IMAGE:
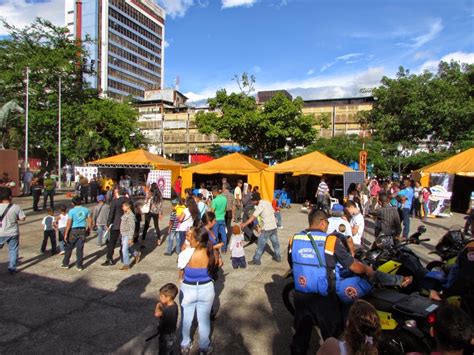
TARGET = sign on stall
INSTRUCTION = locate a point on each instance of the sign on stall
(163, 179)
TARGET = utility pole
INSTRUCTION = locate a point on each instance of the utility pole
(59, 133)
(26, 115)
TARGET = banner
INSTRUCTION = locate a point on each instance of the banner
(163, 179)
(441, 186)
(86, 171)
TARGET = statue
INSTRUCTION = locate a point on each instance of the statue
(5, 116)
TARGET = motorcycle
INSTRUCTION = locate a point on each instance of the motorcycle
(448, 248)
(390, 256)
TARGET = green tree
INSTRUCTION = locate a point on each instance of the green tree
(262, 130)
(50, 55)
(413, 107)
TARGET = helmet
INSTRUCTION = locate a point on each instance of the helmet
(451, 242)
(384, 241)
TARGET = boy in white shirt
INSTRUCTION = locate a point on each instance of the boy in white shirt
(357, 223)
(237, 248)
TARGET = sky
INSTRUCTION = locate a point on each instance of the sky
(313, 48)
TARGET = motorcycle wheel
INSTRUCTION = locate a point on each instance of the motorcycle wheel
(288, 294)
(398, 342)
(435, 266)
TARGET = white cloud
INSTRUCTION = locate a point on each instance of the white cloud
(461, 57)
(316, 87)
(256, 69)
(326, 67)
(310, 72)
(226, 4)
(21, 13)
(349, 56)
(435, 28)
(177, 8)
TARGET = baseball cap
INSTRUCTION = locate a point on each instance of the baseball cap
(101, 198)
(337, 208)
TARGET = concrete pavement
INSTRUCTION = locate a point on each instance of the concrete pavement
(46, 309)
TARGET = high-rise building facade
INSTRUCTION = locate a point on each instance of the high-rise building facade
(125, 43)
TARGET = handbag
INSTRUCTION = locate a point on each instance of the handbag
(146, 207)
(4, 214)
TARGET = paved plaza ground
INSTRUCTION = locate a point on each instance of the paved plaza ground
(46, 309)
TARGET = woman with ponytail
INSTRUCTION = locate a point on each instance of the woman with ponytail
(361, 333)
(197, 265)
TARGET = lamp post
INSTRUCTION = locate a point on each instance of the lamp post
(400, 150)
(287, 148)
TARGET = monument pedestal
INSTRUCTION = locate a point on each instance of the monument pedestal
(9, 164)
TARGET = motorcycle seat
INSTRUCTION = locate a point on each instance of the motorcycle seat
(384, 299)
(416, 306)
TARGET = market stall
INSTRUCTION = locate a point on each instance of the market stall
(143, 167)
(230, 166)
(451, 181)
(301, 175)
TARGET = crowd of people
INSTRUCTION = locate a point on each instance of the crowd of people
(203, 226)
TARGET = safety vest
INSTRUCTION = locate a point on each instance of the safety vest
(310, 272)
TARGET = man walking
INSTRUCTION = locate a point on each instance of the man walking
(10, 214)
(322, 195)
(78, 226)
(49, 189)
(406, 199)
(94, 188)
(229, 210)
(219, 204)
(387, 219)
(238, 202)
(264, 210)
(115, 215)
(27, 179)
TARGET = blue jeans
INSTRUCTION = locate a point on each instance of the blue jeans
(197, 299)
(61, 232)
(181, 239)
(172, 239)
(278, 218)
(127, 250)
(220, 228)
(406, 222)
(262, 242)
(13, 243)
(100, 234)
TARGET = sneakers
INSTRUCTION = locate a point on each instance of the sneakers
(107, 263)
(168, 254)
(280, 228)
(125, 268)
(253, 262)
(277, 259)
(79, 268)
(64, 266)
(12, 271)
(185, 350)
(205, 352)
(61, 252)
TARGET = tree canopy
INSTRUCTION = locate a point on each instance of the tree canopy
(412, 108)
(91, 127)
(262, 130)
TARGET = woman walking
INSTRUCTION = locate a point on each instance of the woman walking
(152, 209)
(197, 265)
(190, 217)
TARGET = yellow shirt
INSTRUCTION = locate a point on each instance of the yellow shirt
(179, 209)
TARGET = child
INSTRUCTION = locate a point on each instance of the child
(167, 313)
(237, 248)
(172, 229)
(127, 227)
(276, 210)
(48, 224)
(60, 224)
(99, 217)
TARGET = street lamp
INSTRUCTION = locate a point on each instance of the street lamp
(287, 148)
(400, 150)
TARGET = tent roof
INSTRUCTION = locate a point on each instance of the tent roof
(314, 163)
(460, 164)
(137, 158)
(233, 164)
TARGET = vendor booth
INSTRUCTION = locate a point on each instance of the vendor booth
(452, 178)
(300, 176)
(143, 168)
(233, 166)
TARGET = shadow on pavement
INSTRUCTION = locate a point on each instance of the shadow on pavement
(44, 315)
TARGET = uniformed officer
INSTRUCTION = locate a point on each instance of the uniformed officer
(315, 259)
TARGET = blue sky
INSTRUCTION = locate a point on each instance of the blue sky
(314, 48)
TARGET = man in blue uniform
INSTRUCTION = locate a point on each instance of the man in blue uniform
(315, 259)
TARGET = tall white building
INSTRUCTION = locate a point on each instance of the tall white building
(126, 53)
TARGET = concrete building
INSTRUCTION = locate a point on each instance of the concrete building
(170, 128)
(169, 123)
(126, 52)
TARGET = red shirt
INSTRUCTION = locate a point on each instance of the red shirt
(177, 186)
(275, 205)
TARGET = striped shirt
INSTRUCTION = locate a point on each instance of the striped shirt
(323, 188)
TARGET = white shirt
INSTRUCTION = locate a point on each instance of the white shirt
(264, 209)
(358, 220)
(335, 223)
(237, 245)
(62, 221)
(238, 193)
(187, 222)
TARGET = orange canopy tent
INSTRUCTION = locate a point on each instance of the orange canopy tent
(139, 159)
(314, 163)
(233, 164)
